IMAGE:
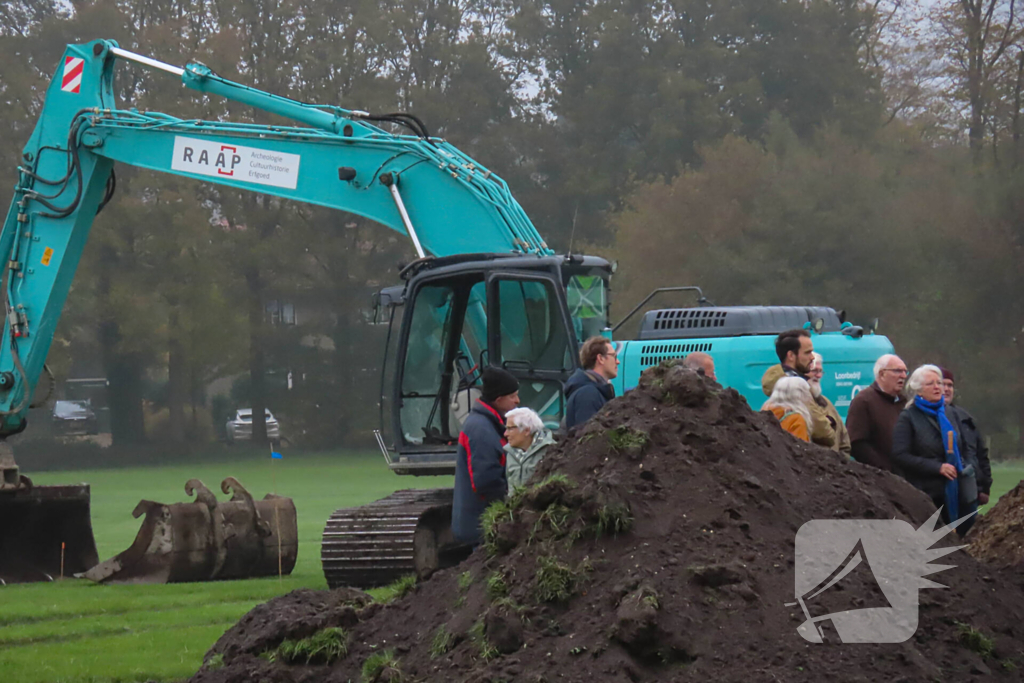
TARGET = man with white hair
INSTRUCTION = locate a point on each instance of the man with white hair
(874, 411)
(814, 375)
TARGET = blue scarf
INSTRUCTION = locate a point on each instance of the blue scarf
(949, 435)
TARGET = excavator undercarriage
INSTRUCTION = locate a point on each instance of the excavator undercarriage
(409, 532)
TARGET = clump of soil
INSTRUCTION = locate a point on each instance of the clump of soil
(657, 543)
(998, 537)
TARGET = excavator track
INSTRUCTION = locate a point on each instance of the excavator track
(409, 532)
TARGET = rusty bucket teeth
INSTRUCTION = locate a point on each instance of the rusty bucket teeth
(206, 540)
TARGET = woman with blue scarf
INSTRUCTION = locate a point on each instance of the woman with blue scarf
(929, 449)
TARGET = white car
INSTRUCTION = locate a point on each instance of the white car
(239, 428)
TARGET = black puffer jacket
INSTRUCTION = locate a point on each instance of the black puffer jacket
(973, 436)
(918, 449)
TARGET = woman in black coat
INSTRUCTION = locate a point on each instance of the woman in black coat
(929, 448)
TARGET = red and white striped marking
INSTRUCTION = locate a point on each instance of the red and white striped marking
(73, 67)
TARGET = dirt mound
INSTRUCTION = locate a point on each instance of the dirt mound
(657, 543)
(998, 537)
(294, 616)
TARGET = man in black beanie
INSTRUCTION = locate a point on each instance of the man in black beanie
(480, 464)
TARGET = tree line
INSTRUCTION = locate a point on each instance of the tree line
(864, 155)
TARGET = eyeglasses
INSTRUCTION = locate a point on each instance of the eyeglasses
(509, 428)
(896, 371)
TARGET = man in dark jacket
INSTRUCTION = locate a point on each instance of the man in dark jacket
(589, 387)
(873, 412)
(480, 463)
(972, 435)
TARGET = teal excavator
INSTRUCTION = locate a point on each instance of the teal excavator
(485, 290)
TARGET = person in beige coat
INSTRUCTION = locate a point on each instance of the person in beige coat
(814, 375)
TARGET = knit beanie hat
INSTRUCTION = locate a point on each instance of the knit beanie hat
(947, 374)
(498, 382)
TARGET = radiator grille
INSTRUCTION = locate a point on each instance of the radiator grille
(689, 318)
(652, 354)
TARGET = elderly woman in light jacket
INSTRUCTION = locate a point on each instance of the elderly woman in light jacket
(528, 438)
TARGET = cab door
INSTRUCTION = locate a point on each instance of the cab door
(529, 334)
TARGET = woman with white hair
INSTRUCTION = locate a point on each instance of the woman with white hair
(929, 448)
(789, 403)
(528, 438)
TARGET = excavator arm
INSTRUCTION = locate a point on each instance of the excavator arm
(417, 185)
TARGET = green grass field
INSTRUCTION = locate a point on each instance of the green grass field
(75, 631)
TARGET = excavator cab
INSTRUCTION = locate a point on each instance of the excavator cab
(526, 314)
(456, 315)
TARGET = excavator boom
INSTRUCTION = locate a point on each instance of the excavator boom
(418, 185)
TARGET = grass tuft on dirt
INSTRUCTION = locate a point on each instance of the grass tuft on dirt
(496, 514)
(485, 650)
(399, 588)
(614, 519)
(974, 640)
(442, 643)
(555, 580)
(382, 667)
(497, 586)
(323, 647)
(625, 439)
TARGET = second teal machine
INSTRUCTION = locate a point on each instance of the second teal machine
(741, 340)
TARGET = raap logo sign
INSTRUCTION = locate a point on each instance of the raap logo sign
(238, 162)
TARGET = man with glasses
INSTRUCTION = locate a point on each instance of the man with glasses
(814, 375)
(874, 411)
(589, 388)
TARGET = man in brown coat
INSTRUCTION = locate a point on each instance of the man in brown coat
(873, 413)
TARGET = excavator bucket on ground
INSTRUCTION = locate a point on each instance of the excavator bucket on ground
(45, 531)
(207, 540)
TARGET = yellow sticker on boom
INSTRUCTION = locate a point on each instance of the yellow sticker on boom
(47, 255)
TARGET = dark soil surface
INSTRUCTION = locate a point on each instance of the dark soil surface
(998, 537)
(665, 554)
